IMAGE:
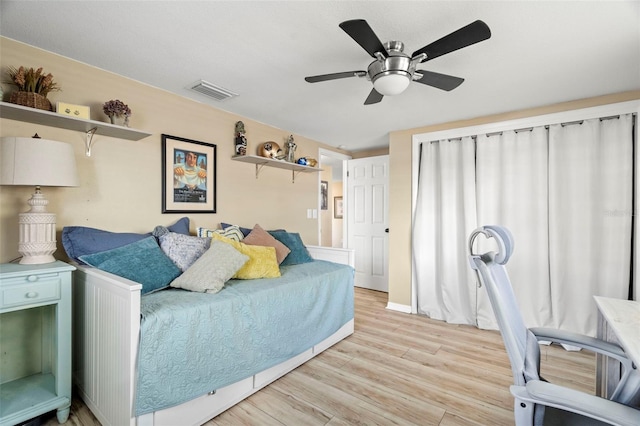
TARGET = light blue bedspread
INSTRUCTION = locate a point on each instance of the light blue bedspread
(192, 343)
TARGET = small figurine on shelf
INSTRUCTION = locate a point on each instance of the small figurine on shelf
(291, 149)
(240, 140)
(270, 150)
(307, 161)
(118, 112)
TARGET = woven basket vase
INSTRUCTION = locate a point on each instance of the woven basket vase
(30, 99)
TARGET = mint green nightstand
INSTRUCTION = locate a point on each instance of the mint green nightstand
(35, 341)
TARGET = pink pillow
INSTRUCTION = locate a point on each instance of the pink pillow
(260, 237)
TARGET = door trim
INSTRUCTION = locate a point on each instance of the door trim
(339, 156)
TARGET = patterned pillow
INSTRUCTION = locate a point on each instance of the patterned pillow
(183, 249)
(142, 261)
(245, 231)
(260, 237)
(262, 260)
(214, 268)
(232, 232)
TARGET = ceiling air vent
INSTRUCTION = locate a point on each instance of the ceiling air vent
(213, 91)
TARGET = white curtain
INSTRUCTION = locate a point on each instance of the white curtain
(512, 188)
(565, 192)
(445, 215)
(590, 193)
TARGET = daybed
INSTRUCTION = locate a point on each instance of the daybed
(182, 357)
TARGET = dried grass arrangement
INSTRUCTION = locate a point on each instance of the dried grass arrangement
(33, 87)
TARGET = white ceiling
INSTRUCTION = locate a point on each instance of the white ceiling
(539, 53)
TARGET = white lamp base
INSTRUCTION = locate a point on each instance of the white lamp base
(37, 232)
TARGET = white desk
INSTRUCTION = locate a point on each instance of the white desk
(618, 321)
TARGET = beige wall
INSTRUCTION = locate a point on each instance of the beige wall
(400, 148)
(120, 184)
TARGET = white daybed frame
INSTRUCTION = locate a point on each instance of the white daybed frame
(106, 321)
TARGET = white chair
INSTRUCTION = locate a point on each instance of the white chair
(538, 402)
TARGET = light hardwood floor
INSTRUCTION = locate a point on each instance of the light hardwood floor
(396, 369)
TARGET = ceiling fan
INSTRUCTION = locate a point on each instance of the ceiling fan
(393, 70)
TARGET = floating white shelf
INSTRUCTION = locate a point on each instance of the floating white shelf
(260, 162)
(90, 127)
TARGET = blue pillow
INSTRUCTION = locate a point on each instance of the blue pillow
(80, 240)
(142, 261)
(299, 253)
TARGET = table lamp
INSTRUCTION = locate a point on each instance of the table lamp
(37, 162)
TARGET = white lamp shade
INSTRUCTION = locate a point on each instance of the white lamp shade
(391, 84)
(37, 162)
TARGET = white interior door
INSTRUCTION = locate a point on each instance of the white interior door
(367, 214)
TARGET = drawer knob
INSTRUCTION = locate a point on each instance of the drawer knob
(32, 294)
(32, 278)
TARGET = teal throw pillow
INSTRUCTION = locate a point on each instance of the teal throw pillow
(299, 253)
(142, 261)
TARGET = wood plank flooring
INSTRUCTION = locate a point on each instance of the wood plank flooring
(396, 369)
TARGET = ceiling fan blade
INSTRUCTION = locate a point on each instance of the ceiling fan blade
(334, 76)
(439, 81)
(473, 33)
(361, 32)
(373, 98)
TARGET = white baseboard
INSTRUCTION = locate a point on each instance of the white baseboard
(398, 307)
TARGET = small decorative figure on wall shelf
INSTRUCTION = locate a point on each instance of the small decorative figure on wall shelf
(291, 146)
(307, 161)
(240, 139)
(270, 150)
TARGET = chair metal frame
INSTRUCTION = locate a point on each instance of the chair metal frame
(536, 400)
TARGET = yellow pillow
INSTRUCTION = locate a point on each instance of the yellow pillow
(262, 261)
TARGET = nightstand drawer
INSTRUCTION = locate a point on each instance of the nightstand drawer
(30, 289)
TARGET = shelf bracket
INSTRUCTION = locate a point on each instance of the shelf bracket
(258, 169)
(293, 175)
(89, 141)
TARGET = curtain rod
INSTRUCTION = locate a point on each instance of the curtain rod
(528, 129)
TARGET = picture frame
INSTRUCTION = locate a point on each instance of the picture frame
(188, 175)
(324, 195)
(338, 207)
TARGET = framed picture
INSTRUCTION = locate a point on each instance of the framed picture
(188, 176)
(324, 195)
(337, 208)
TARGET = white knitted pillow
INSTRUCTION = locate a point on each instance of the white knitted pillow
(183, 250)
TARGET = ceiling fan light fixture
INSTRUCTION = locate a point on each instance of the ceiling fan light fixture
(392, 82)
